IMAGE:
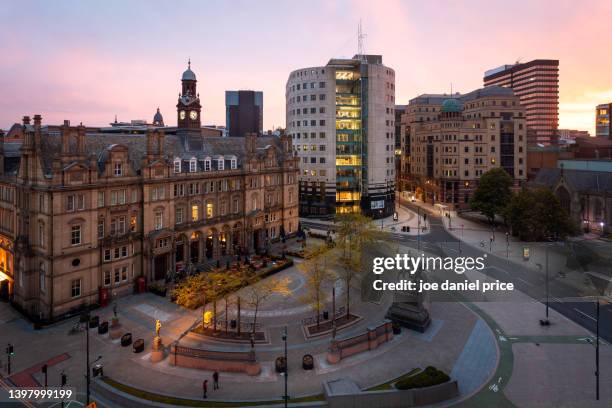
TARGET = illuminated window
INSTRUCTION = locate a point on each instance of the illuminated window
(194, 212)
(209, 210)
(133, 223)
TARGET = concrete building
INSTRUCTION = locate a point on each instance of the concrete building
(243, 112)
(84, 214)
(399, 111)
(602, 120)
(536, 83)
(455, 139)
(341, 119)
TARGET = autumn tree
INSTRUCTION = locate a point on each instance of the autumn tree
(316, 269)
(257, 293)
(354, 231)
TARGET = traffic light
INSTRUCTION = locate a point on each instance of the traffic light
(9, 350)
(44, 369)
(64, 379)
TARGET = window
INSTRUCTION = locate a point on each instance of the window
(124, 270)
(117, 197)
(107, 278)
(117, 253)
(101, 228)
(322, 122)
(107, 255)
(233, 164)
(75, 288)
(117, 275)
(118, 169)
(209, 210)
(180, 216)
(193, 164)
(220, 164)
(321, 148)
(122, 225)
(81, 201)
(70, 203)
(322, 135)
(124, 251)
(207, 164)
(322, 97)
(235, 205)
(159, 220)
(194, 212)
(100, 199)
(75, 235)
(134, 193)
(42, 277)
(41, 234)
(177, 165)
(133, 223)
(223, 207)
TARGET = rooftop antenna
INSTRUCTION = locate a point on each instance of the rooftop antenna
(189, 63)
(360, 37)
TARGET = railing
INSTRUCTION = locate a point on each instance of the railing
(215, 355)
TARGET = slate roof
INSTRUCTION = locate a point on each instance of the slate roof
(97, 146)
(577, 180)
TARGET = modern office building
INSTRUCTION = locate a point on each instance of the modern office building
(341, 119)
(536, 83)
(455, 139)
(85, 215)
(602, 120)
(243, 112)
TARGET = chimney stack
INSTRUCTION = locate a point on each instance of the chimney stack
(26, 120)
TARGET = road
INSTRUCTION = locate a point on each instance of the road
(563, 298)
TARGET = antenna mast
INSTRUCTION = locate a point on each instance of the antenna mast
(360, 37)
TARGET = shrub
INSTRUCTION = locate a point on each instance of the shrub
(426, 378)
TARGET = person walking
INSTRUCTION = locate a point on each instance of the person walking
(216, 380)
(204, 388)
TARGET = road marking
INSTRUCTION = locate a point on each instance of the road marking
(556, 299)
(585, 314)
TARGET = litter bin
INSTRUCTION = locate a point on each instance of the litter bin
(138, 346)
(126, 339)
(103, 327)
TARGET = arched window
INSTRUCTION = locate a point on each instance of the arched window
(177, 165)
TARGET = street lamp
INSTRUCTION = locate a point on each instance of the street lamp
(600, 292)
(286, 396)
(507, 244)
(545, 322)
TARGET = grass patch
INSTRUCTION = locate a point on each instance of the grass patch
(389, 384)
(184, 402)
(427, 378)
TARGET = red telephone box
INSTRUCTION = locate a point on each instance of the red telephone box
(141, 285)
(103, 292)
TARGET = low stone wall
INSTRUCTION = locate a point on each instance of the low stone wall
(240, 362)
(393, 398)
(369, 340)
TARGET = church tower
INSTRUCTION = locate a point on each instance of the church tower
(188, 106)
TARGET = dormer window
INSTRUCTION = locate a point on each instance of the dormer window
(193, 164)
(177, 165)
(233, 163)
(220, 164)
(207, 164)
(118, 169)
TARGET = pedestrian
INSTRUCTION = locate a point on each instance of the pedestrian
(216, 380)
(204, 388)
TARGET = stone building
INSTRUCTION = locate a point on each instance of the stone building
(84, 214)
(452, 140)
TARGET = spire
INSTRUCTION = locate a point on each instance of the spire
(189, 63)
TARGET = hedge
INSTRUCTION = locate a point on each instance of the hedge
(428, 377)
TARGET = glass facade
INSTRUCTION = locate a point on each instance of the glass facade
(348, 141)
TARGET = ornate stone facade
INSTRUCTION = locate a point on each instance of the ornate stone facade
(84, 214)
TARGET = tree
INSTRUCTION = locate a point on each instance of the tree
(259, 292)
(354, 231)
(537, 214)
(316, 269)
(492, 194)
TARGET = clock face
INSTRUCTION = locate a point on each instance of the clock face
(182, 115)
(193, 115)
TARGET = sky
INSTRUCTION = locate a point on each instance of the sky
(89, 61)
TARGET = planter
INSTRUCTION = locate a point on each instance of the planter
(126, 339)
(280, 365)
(103, 328)
(138, 346)
(307, 362)
(397, 329)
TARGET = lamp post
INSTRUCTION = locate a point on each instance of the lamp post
(545, 322)
(507, 244)
(418, 227)
(286, 396)
(600, 292)
(86, 315)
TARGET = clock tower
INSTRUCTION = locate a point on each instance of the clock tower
(188, 106)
